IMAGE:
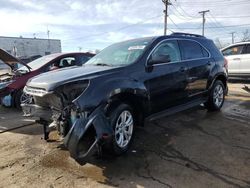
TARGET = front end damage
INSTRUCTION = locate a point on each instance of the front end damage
(83, 132)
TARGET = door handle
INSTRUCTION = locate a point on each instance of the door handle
(183, 69)
(236, 59)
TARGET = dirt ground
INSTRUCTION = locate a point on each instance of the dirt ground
(194, 148)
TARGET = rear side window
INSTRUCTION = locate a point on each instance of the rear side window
(192, 50)
(234, 50)
(247, 51)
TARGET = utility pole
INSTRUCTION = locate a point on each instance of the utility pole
(203, 20)
(48, 32)
(166, 3)
(232, 33)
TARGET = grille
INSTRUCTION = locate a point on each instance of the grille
(35, 91)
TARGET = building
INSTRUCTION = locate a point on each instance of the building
(27, 47)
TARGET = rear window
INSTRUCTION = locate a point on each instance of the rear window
(192, 50)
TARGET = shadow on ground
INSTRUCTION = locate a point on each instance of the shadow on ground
(190, 148)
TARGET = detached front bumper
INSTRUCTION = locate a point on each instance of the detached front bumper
(75, 137)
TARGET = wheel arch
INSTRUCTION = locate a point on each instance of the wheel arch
(138, 103)
(222, 77)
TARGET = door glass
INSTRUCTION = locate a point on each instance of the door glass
(192, 50)
(247, 51)
(234, 50)
(67, 61)
(169, 48)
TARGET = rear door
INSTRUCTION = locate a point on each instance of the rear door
(245, 60)
(233, 55)
(199, 63)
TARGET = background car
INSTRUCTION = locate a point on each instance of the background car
(238, 57)
(4, 69)
(11, 90)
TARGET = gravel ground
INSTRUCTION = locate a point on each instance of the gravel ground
(193, 148)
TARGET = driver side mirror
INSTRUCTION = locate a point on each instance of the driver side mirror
(159, 59)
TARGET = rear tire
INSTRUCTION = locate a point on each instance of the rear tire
(123, 123)
(216, 96)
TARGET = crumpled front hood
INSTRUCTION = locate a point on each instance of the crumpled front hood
(53, 79)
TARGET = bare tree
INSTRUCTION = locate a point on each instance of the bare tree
(245, 35)
(218, 43)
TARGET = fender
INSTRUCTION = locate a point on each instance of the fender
(107, 88)
(101, 124)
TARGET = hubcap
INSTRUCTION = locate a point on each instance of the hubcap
(26, 99)
(124, 129)
(218, 95)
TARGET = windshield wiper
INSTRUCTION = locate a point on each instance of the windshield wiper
(102, 64)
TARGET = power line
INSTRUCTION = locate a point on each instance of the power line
(226, 26)
(119, 29)
(214, 3)
(185, 12)
(173, 22)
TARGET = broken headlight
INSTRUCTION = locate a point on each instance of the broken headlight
(73, 90)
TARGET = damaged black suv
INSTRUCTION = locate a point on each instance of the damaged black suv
(99, 104)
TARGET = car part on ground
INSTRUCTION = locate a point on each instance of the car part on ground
(12, 84)
(99, 105)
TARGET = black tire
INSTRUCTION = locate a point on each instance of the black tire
(215, 103)
(17, 99)
(114, 118)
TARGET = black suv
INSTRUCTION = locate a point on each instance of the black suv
(99, 104)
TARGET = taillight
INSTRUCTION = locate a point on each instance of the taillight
(225, 63)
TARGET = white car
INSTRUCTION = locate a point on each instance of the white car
(238, 57)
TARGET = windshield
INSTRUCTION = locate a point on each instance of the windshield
(38, 63)
(120, 54)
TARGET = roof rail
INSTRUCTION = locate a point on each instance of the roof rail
(188, 35)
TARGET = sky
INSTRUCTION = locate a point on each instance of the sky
(88, 25)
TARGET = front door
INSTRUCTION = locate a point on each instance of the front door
(245, 61)
(233, 55)
(167, 81)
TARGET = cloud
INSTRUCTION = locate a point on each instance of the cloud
(95, 24)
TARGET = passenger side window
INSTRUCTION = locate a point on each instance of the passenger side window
(192, 50)
(67, 62)
(170, 49)
(234, 50)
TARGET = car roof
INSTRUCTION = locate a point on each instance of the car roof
(236, 44)
(55, 55)
(173, 35)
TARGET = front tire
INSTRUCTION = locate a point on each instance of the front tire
(216, 96)
(123, 123)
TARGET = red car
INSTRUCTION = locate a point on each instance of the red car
(12, 83)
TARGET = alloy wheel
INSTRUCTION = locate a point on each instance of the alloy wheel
(218, 95)
(124, 129)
